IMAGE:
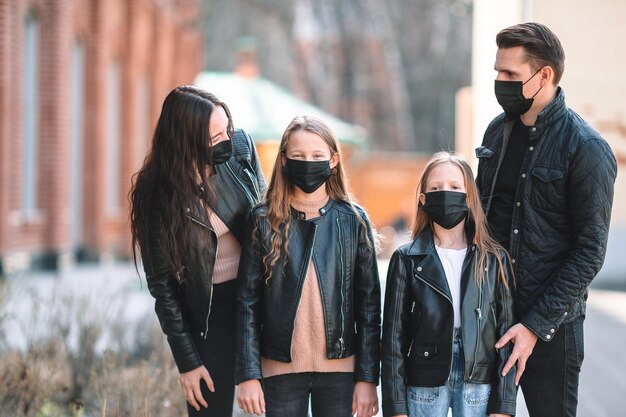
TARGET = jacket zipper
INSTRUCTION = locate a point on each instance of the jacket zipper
(479, 317)
(413, 339)
(300, 297)
(341, 341)
(447, 298)
(245, 189)
(206, 320)
(254, 183)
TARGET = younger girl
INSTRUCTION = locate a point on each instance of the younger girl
(447, 302)
(308, 299)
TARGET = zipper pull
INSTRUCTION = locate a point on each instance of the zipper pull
(341, 343)
(355, 331)
(480, 314)
(412, 306)
(410, 347)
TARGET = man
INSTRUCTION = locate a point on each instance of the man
(546, 180)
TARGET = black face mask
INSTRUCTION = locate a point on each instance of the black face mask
(446, 208)
(511, 97)
(307, 175)
(221, 152)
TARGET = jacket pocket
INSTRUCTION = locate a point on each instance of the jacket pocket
(548, 191)
(425, 352)
(484, 152)
(545, 174)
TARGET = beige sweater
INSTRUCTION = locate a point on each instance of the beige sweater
(308, 351)
(228, 251)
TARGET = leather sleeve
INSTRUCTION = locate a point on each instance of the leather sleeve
(164, 288)
(395, 332)
(590, 183)
(256, 165)
(367, 308)
(249, 306)
(502, 399)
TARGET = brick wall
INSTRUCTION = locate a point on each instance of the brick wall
(157, 44)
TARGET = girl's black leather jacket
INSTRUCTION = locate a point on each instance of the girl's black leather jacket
(418, 325)
(345, 262)
(183, 308)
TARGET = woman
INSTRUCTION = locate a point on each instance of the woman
(308, 310)
(190, 204)
(447, 302)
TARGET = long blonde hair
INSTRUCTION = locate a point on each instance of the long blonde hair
(279, 191)
(482, 238)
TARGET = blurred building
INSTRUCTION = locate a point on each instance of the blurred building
(384, 182)
(81, 85)
(592, 35)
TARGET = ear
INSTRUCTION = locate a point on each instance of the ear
(334, 160)
(547, 75)
(422, 199)
(283, 159)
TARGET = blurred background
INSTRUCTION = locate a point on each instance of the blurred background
(81, 87)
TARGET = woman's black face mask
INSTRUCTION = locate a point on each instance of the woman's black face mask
(220, 153)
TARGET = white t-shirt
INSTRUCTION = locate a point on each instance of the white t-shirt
(452, 261)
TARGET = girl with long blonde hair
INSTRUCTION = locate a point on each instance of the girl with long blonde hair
(447, 302)
(308, 309)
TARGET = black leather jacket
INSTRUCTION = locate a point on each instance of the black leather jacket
(418, 326)
(183, 309)
(560, 222)
(348, 279)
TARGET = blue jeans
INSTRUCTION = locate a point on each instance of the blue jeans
(466, 399)
(550, 381)
(330, 394)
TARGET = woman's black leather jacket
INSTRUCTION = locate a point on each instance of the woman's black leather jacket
(341, 248)
(183, 308)
(418, 326)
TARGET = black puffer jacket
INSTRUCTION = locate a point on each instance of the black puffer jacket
(183, 309)
(348, 279)
(561, 215)
(418, 326)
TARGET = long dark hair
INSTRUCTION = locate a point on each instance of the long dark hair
(168, 182)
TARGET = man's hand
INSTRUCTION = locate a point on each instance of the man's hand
(190, 383)
(250, 397)
(524, 341)
(364, 400)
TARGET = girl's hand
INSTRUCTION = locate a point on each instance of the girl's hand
(190, 383)
(250, 397)
(364, 400)
(499, 415)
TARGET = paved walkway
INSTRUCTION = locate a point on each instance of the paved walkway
(603, 378)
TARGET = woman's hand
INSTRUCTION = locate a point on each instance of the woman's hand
(190, 382)
(499, 415)
(364, 400)
(250, 397)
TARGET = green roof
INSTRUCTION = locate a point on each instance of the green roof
(264, 109)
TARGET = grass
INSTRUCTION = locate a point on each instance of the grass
(82, 357)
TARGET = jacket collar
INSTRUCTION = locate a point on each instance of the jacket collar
(429, 267)
(554, 110)
(424, 243)
(323, 211)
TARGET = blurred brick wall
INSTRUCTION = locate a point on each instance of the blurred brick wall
(157, 40)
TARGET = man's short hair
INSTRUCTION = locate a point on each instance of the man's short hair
(542, 46)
